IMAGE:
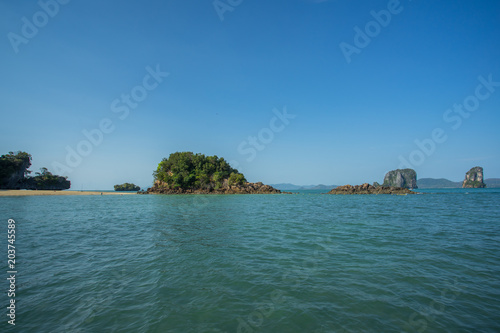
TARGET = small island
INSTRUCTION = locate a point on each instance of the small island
(474, 178)
(14, 175)
(127, 187)
(398, 181)
(189, 173)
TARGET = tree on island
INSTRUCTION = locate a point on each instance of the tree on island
(14, 174)
(127, 187)
(45, 180)
(186, 170)
(189, 173)
(14, 169)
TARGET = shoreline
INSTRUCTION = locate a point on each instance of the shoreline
(25, 193)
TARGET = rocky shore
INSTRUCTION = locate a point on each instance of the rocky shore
(246, 188)
(370, 189)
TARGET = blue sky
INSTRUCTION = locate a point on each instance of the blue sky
(351, 117)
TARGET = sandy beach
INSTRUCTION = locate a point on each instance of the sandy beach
(5, 193)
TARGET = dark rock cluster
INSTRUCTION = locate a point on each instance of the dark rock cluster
(370, 189)
(246, 188)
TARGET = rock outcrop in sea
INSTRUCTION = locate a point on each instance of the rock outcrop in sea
(474, 178)
(370, 189)
(160, 187)
(406, 178)
(190, 173)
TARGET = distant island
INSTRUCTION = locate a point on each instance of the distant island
(127, 187)
(398, 181)
(474, 178)
(404, 178)
(14, 174)
(422, 183)
(189, 173)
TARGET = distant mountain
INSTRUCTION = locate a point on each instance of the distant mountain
(421, 183)
(492, 182)
(293, 187)
(445, 183)
(285, 186)
(437, 183)
(318, 187)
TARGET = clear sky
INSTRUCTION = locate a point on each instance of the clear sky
(295, 91)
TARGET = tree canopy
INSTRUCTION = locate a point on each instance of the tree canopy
(45, 180)
(187, 170)
(13, 168)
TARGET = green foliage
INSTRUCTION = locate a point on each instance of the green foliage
(127, 187)
(14, 165)
(196, 171)
(236, 179)
(45, 180)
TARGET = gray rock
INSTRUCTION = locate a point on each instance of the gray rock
(474, 178)
(405, 178)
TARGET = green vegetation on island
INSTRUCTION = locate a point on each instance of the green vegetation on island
(186, 172)
(127, 187)
(45, 180)
(14, 169)
(14, 174)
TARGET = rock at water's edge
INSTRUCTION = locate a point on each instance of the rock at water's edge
(246, 188)
(370, 189)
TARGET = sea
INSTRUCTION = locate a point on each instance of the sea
(308, 262)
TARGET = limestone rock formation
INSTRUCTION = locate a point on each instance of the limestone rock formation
(474, 178)
(370, 189)
(406, 178)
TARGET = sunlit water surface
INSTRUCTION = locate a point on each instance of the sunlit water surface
(256, 263)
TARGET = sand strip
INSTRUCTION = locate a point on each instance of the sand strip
(16, 193)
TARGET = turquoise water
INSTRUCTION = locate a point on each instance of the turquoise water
(255, 263)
